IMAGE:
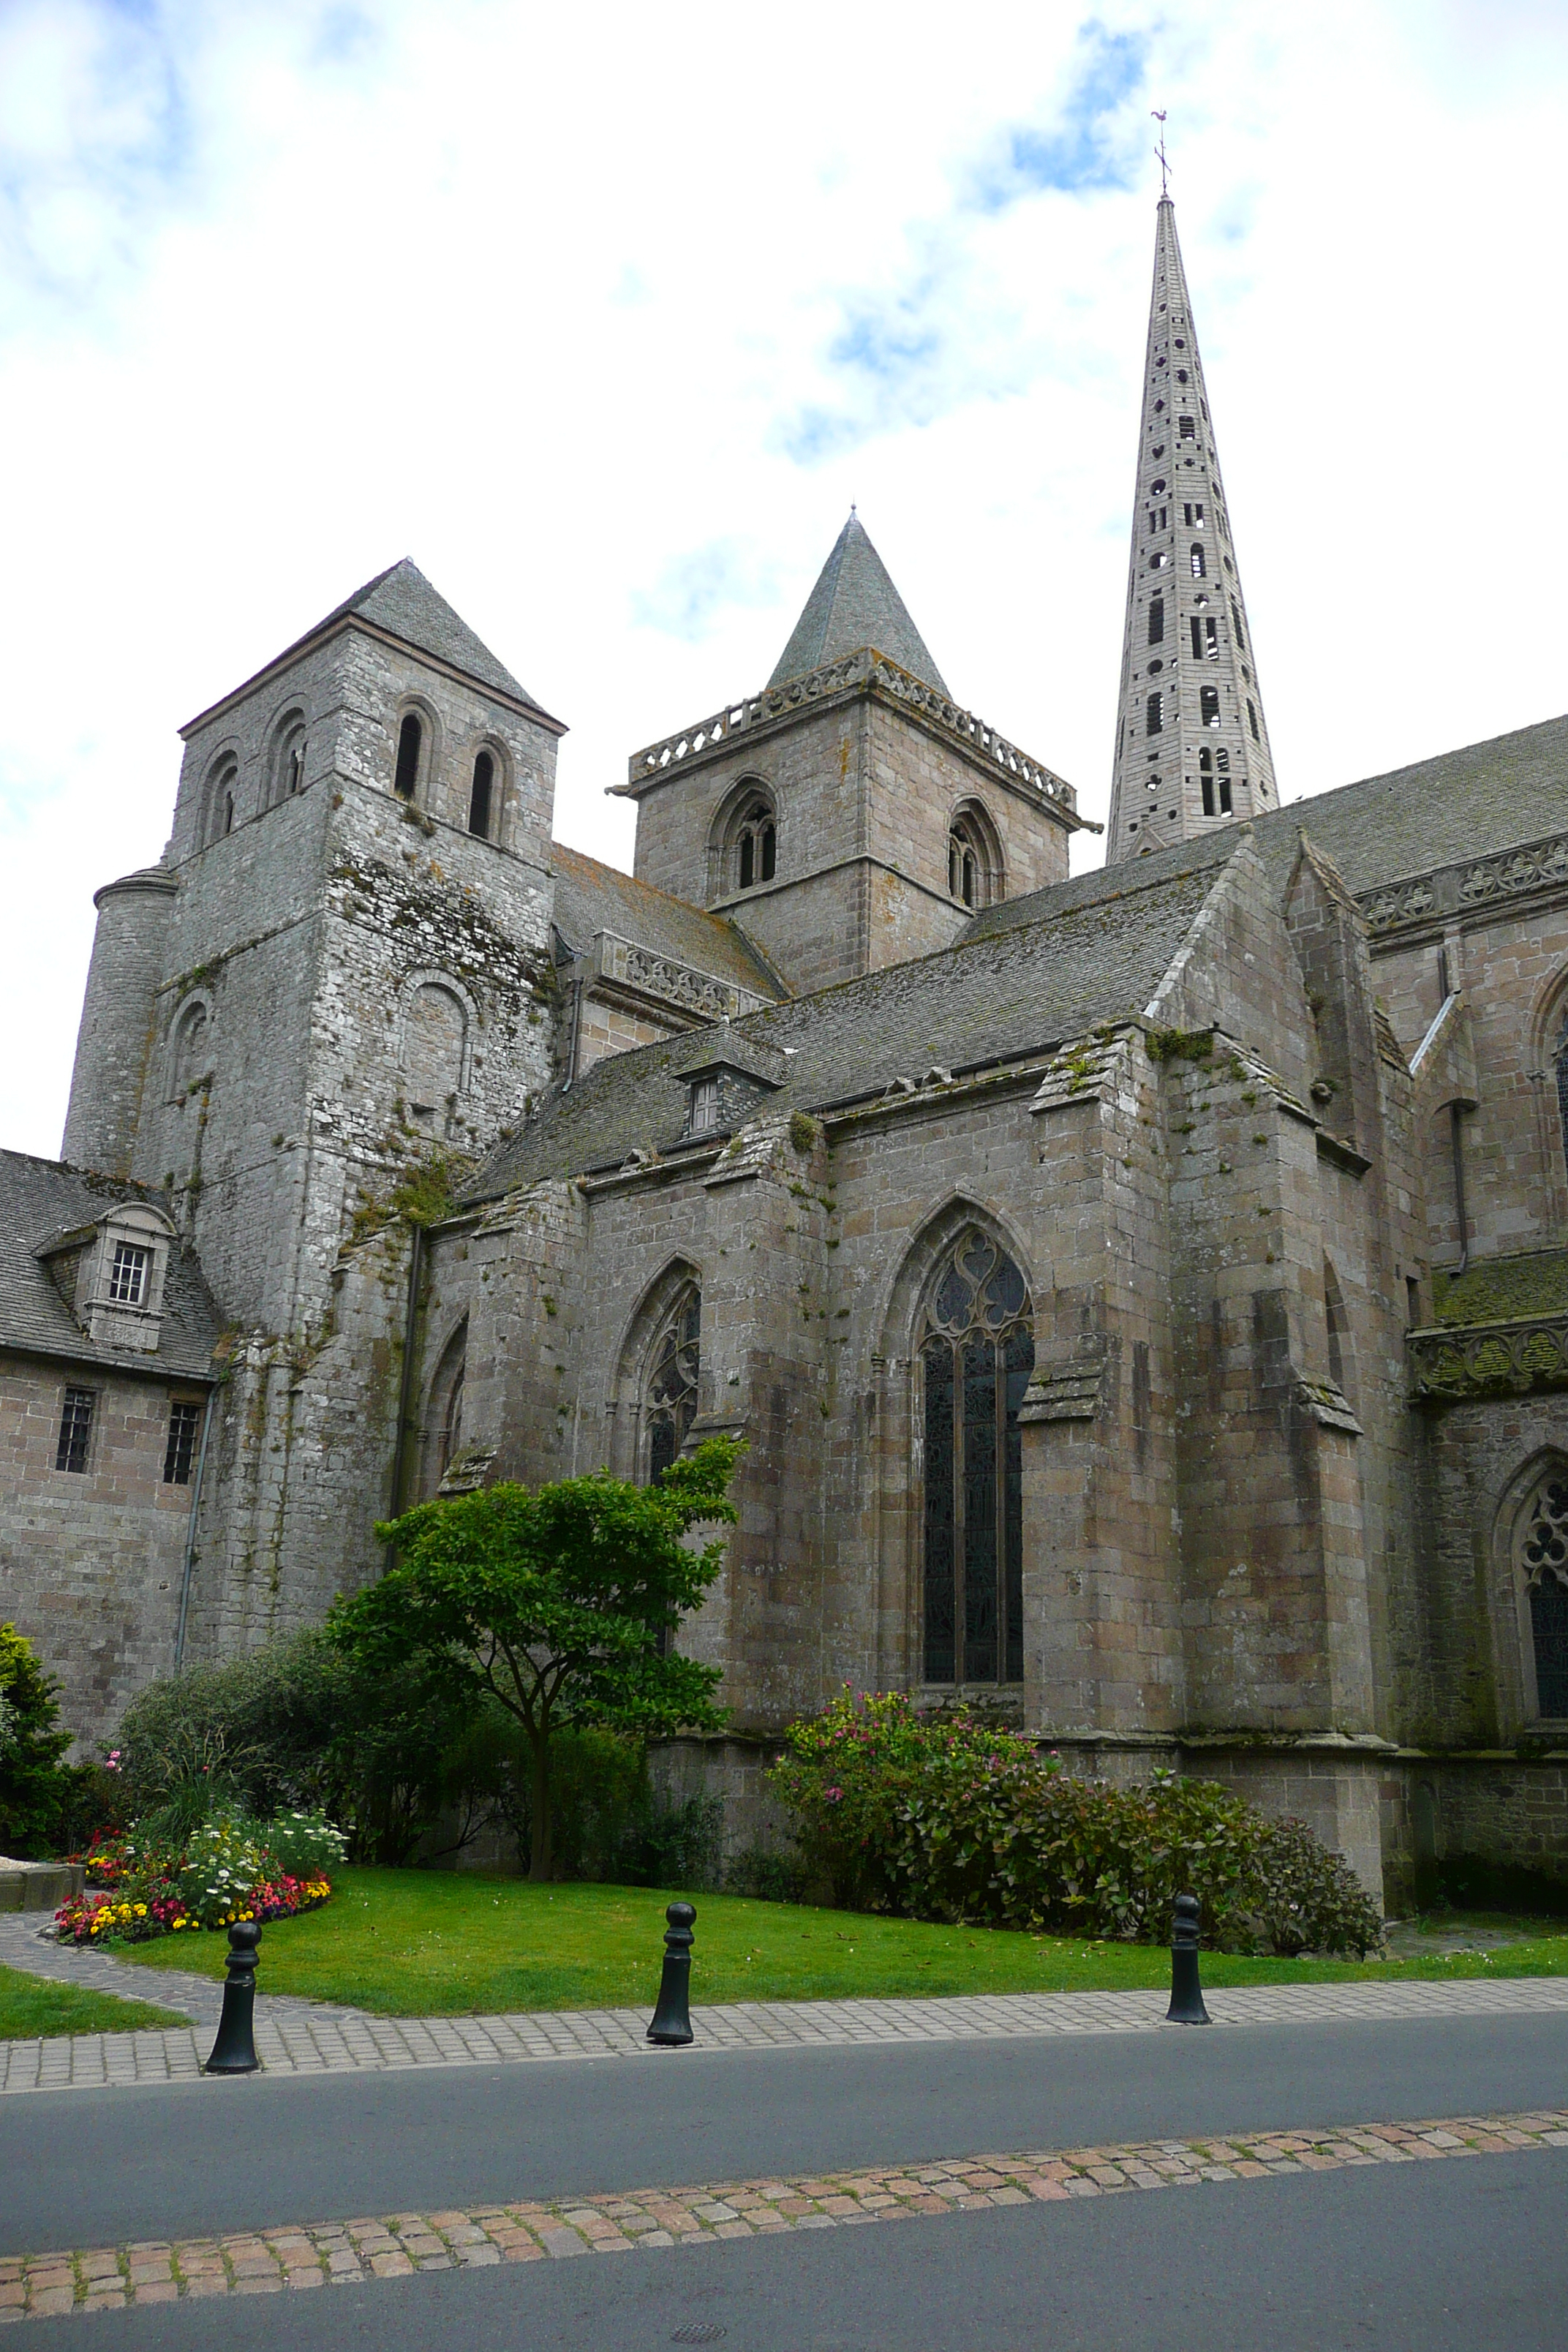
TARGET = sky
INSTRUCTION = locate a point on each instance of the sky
(605, 317)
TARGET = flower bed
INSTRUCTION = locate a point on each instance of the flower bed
(225, 1870)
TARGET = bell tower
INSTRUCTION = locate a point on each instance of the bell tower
(1192, 742)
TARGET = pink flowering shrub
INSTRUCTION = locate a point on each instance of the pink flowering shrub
(945, 1817)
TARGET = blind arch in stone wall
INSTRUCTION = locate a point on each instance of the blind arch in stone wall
(437, 1018)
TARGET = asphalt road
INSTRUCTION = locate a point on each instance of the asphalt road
(91, 2167)
(1466, 2256)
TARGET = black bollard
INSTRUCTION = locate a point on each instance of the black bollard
(1186, 1992)
(233, 2052)
(672, 2018)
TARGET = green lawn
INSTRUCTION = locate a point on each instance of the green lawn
(412, 1943)
(30, 2006)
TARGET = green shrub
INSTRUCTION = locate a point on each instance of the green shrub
(951, 1819)
(35, 1787)
(294, 1727)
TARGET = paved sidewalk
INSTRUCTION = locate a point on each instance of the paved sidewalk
(348, 2253)
(300, 2037)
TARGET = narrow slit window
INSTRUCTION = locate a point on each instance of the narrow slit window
(1189, 429)
(185, 1428)
(1155, 715)
(1252, 722)
(1208, 706)
(1222, 773)
(1205, 777)
(1156, 620)
(479, 797)
(769, 847)
(1198, 561)
(410, 737)
(1236, 625)
(75, 1430)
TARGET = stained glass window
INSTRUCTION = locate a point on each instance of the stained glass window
(1544, 1551)
(672, 1381)
(977, 1351)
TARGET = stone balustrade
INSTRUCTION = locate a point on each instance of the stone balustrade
(1481, 1359)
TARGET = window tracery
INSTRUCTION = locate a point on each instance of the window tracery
(974, 861)
(756, 844)
(673, 1369)
(976, 1353)
(1543, 1559)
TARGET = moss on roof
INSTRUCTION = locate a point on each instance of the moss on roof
(1534, 1282)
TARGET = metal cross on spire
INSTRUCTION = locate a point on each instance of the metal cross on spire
(1159, 114)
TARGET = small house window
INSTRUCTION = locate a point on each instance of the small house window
(128, 1275)
(1200, 566)
(185, 1428)
(480, 796)
(1154, 714)
(704, 1106)
(1156, 620)
(1208, 706)
(410, 739)
(75, 1430)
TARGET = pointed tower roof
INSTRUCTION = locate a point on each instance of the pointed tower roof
(401, 601)
(1191, 743)
(855, 604)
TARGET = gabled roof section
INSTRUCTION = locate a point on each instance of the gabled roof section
(591, 898)
(855, 604)
(401, 602)
(992, 999)
(45, 1206)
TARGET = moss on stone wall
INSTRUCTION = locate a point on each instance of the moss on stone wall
(1535, 1283)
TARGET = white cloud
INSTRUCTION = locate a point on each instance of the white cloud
(543, 298)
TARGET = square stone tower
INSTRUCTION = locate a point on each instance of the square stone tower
(852, 814)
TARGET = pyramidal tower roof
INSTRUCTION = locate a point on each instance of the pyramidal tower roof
(855, 604)
(1191, 743)
(401, 601)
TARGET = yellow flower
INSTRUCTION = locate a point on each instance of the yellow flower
(141, 1910)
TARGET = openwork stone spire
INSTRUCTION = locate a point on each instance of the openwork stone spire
(1192, 742)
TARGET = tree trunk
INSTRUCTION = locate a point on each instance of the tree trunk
(540, 1856)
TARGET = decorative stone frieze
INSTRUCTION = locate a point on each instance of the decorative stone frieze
(1456, 890)
(867, 671)
(623, 963)
(1479, 1359)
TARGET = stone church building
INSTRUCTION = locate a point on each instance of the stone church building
(1144, 1295)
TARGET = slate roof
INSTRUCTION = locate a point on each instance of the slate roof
(41, 1199)
(994, 997)
(1473, 802)
(591, 898)
(401, 601)
(855, 604)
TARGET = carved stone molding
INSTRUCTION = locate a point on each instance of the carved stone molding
(1481, 1360)
(623, 963)
(1457, 889)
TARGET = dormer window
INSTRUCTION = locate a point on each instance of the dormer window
(704, 1107)
(128, 1275)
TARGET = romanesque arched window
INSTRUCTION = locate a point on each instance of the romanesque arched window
(217, 802)
(410, 745)
(976, 1352)
(1543, 1562)
(481, 794)
(287, 765)
(671, 1399)
(188, 1056)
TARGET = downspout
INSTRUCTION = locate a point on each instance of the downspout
(406, 1383)
(190, 1534)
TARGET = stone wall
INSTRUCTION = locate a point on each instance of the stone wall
(91, 1561)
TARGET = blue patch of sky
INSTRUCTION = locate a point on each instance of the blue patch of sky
(694, 590)
(900, 353)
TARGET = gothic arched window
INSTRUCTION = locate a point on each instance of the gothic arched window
(1544, 1558)
(1559, 1060)
(756, 844)
(672, 1381)
(976, 1351)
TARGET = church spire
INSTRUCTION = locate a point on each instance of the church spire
(1191, 743)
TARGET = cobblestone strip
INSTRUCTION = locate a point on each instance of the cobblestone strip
(342, 2254)
(299, 2037)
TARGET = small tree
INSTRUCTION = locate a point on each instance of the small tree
(33, 1787)
(559, 1604)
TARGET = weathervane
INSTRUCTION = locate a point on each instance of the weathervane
(1159, 114)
